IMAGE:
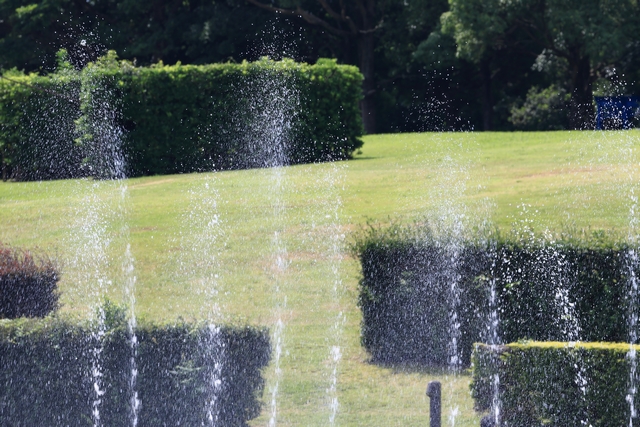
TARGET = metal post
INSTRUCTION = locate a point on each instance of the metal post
(433, 391)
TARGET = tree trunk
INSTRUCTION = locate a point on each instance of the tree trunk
(366, 53)
(581, 113)
(487, 98)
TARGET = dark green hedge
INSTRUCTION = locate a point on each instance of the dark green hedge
(37, 127)
(407, 303)
(185, 118)
(180, 118)
(46, 373)
(554, 383)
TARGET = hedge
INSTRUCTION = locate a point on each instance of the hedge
(49, 368)
(406, 302)
(560, 290)
(555, 383)
(37, 126)
(115, 119)
(28, 284)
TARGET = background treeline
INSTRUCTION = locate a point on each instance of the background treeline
(427, 64)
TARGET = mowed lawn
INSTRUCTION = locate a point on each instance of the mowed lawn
(270, 247)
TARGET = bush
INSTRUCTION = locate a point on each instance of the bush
(405, 298)
(37, 126)
(28, 284)
(175, 119)
(415, 286)
(555, 383)
(544, 109)
(186, 373)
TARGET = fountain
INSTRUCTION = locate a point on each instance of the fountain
(302, 221)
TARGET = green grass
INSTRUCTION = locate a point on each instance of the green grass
(584, 180)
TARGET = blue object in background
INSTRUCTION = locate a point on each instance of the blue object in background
(616, 111)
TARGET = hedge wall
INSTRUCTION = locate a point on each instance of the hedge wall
(406, 303)
(37, 126)
(555, 384)
(562, 290)
(46, 373)
(113, 118)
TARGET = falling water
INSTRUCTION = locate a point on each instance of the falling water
(568, 324)
(200, 264)
(101, 143)
(632, 257)
(130, 297)
(280, 266)
(493, 338)
(329, 243)
(91, 242)
(450, 221)
(266, 137)
(552, 267)
(213, 346)
(633, 263)
(619, 147)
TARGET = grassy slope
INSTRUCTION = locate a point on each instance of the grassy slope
(261, 245)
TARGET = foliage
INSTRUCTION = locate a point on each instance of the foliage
(37, 126)
(99, 135)
(47, 373)
(555, 383)
(568, 288)
(227, 116)
(405, 295)
(197, 31)
(173, 119)
(544, 109)
(28, 284)
(587, 36)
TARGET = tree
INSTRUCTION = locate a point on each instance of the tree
(193, 31)
(584, 36)
(356, 21)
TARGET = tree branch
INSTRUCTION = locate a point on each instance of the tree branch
(339, 16)
(301, 13)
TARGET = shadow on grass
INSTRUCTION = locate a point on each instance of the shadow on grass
(364, 158)
(416, 368)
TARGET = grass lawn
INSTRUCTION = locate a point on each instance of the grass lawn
(269, 247)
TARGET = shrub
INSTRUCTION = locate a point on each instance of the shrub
(28, 284)
(555, 383)
(229, 116)
(186, 372)
(415, 286)
(37, 125)
(544, 109)
(174, 119)
(406, 299)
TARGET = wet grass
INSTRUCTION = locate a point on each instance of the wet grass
(261, 245)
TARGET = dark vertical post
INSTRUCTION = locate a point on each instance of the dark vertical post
(433, 391)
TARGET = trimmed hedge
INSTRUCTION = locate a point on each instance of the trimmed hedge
(555, 384)
(37, 127)
(180, 118)
(46, 373)
(561, 290)
(406, 302)
(28, 284)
